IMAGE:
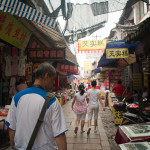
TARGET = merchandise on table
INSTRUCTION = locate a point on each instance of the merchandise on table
(135, 146)
(3, 111)
(137, 130)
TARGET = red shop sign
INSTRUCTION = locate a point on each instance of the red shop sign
(46, 54)
(68, 68)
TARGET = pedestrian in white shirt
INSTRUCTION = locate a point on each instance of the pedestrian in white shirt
(93, 96)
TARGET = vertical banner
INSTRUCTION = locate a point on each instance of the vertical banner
(107, 80)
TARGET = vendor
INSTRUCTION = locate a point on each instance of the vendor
(118, 89)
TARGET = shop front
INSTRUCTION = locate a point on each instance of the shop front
(23, 46)
(14, 37)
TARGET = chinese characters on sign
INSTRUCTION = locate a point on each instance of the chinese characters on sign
(12, 31)
(67, 68)
(48, 54)
(92, 46)
(117, 53)
(115, 76)
(107, 80)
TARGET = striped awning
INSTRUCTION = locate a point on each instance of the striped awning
(22, 10)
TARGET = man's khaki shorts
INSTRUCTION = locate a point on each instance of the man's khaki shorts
(93, 109)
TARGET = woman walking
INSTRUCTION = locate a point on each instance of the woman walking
(93, 95)
(79, 106)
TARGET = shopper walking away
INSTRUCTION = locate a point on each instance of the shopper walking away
(79, 106)
(93, 96)
(25, 110)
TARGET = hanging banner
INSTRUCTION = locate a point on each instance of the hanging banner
(107, 81)
(117, 53)
(91, 46)
(12, 31)
(67, 68)
(87, 65)
(93, 55)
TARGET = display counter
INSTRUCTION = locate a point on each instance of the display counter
(133, 133)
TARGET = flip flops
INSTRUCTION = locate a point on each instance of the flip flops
(76, 130)
(88, 132)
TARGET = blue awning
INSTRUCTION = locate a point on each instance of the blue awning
(116, 44)
(97, 70)
(122, 44)
(105, 62)
(71, 77)
(22, 10)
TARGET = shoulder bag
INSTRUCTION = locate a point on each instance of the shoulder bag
(49, 97)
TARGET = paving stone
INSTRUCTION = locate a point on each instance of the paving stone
(105, 138)
(106, 148)
(76, 140)
(88, 146)
(101, 130)
(94, 136)
(105, 143)
(93, 141)
(70, 146)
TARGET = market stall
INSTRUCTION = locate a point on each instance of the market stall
(133, 133)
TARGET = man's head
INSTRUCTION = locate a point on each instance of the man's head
(93, 83)
(44, 75)
(119, 82)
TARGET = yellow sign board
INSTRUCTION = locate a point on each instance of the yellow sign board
(88, 45)
(117, 53)
(12, 31)
(87, 65)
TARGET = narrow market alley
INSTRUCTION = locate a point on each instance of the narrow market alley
(95, 141)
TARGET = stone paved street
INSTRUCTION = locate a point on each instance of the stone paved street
(102, 140)
(95, 141)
